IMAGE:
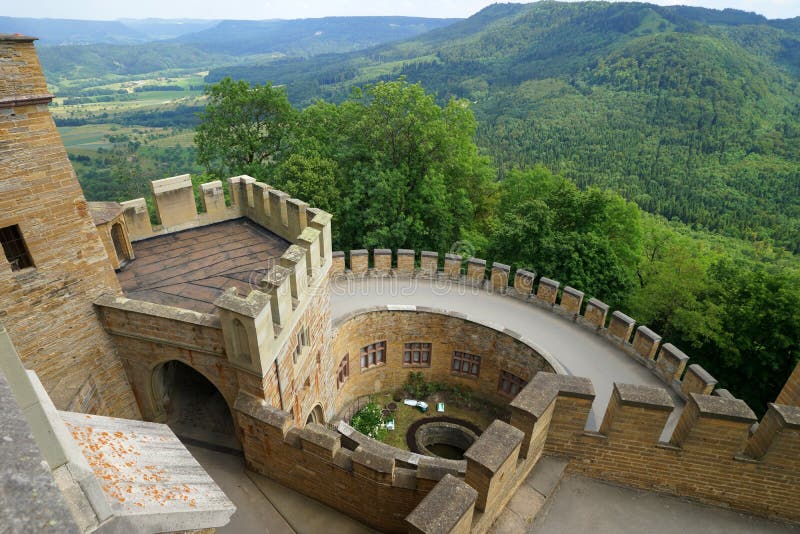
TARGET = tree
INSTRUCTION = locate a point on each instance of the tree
(744, 326)
(310, 177)
(590, 239)
(244, 128)
(406, 170)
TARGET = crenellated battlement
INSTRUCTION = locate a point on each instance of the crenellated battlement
(639, 342)
(287, 217)
(547, 417)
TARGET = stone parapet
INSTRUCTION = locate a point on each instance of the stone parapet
(595, 313)
(523, 282)
(645, 343)
(499, 276)
(547, 291)
(571, 300)
(666, 361)
(447, 509)
(452, 265)
(697, 380)
(620, 327)
(476, 270)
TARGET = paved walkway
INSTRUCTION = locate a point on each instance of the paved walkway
(581, 352)
(265, 507)
(581, 504)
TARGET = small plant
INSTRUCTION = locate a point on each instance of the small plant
(397, 396)
(462, 395)
(415, 386)
(369, 421)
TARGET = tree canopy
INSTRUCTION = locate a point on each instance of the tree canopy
(243, 128)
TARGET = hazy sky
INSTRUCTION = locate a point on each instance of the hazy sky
(290, 9)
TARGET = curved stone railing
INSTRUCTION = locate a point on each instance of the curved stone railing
(664, 360)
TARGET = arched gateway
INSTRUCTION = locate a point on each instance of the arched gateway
(192, 406)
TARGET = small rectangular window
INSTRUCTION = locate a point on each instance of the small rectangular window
(301, 343)
(417, 355)
(373, 354)
(14, 248)
(344, 370)
(510, 384)
(466, 364)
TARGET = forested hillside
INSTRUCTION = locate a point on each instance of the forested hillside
(691, 113)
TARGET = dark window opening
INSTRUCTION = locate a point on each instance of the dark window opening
(344, 370)
(15, 249)
(510, 384)
(417, 355)
(374, 354)
(466, 364)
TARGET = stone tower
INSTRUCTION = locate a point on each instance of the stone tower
(54, 264)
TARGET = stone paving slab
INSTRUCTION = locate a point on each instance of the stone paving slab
(581, 504)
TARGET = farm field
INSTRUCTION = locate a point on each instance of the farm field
(94, 136)
(109, 98)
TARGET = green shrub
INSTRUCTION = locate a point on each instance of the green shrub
(369, 421)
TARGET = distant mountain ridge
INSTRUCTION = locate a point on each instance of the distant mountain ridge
(61, 32)
(132, 49)
(231, 37)
(691, 112)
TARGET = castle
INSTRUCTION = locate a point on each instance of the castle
(101, 310)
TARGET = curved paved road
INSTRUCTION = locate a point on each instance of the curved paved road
(581, 352)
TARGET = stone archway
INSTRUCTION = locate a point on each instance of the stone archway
(192, 406)
(317, 415)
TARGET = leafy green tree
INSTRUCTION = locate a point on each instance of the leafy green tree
(311, 178)
(243, 129)
(406, 170)
(743, 328)
(588, 239)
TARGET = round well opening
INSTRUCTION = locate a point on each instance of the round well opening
(448, 438)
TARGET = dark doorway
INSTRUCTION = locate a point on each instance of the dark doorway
(193, 407)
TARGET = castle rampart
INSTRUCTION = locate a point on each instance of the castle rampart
(268, 341)
(642, 344)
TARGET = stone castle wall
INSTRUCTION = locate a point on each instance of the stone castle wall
(47, 308)
(446, 333)
(293, 296)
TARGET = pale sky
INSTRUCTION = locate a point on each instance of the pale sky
(292, 9)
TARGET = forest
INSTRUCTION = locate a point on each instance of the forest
(691, 113)
(398, 170)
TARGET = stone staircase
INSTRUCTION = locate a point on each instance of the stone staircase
(530, 497)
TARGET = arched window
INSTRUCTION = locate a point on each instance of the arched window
(241, 346)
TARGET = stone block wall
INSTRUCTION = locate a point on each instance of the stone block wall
(447, 333)
(47, 308)
(709, 457)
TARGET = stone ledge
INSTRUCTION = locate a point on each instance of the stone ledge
(261, 411)
(723, 408)
(157, 310)
(702, 374)
(644, 396)
(444, 507)
(495, 445)
(790, 415)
